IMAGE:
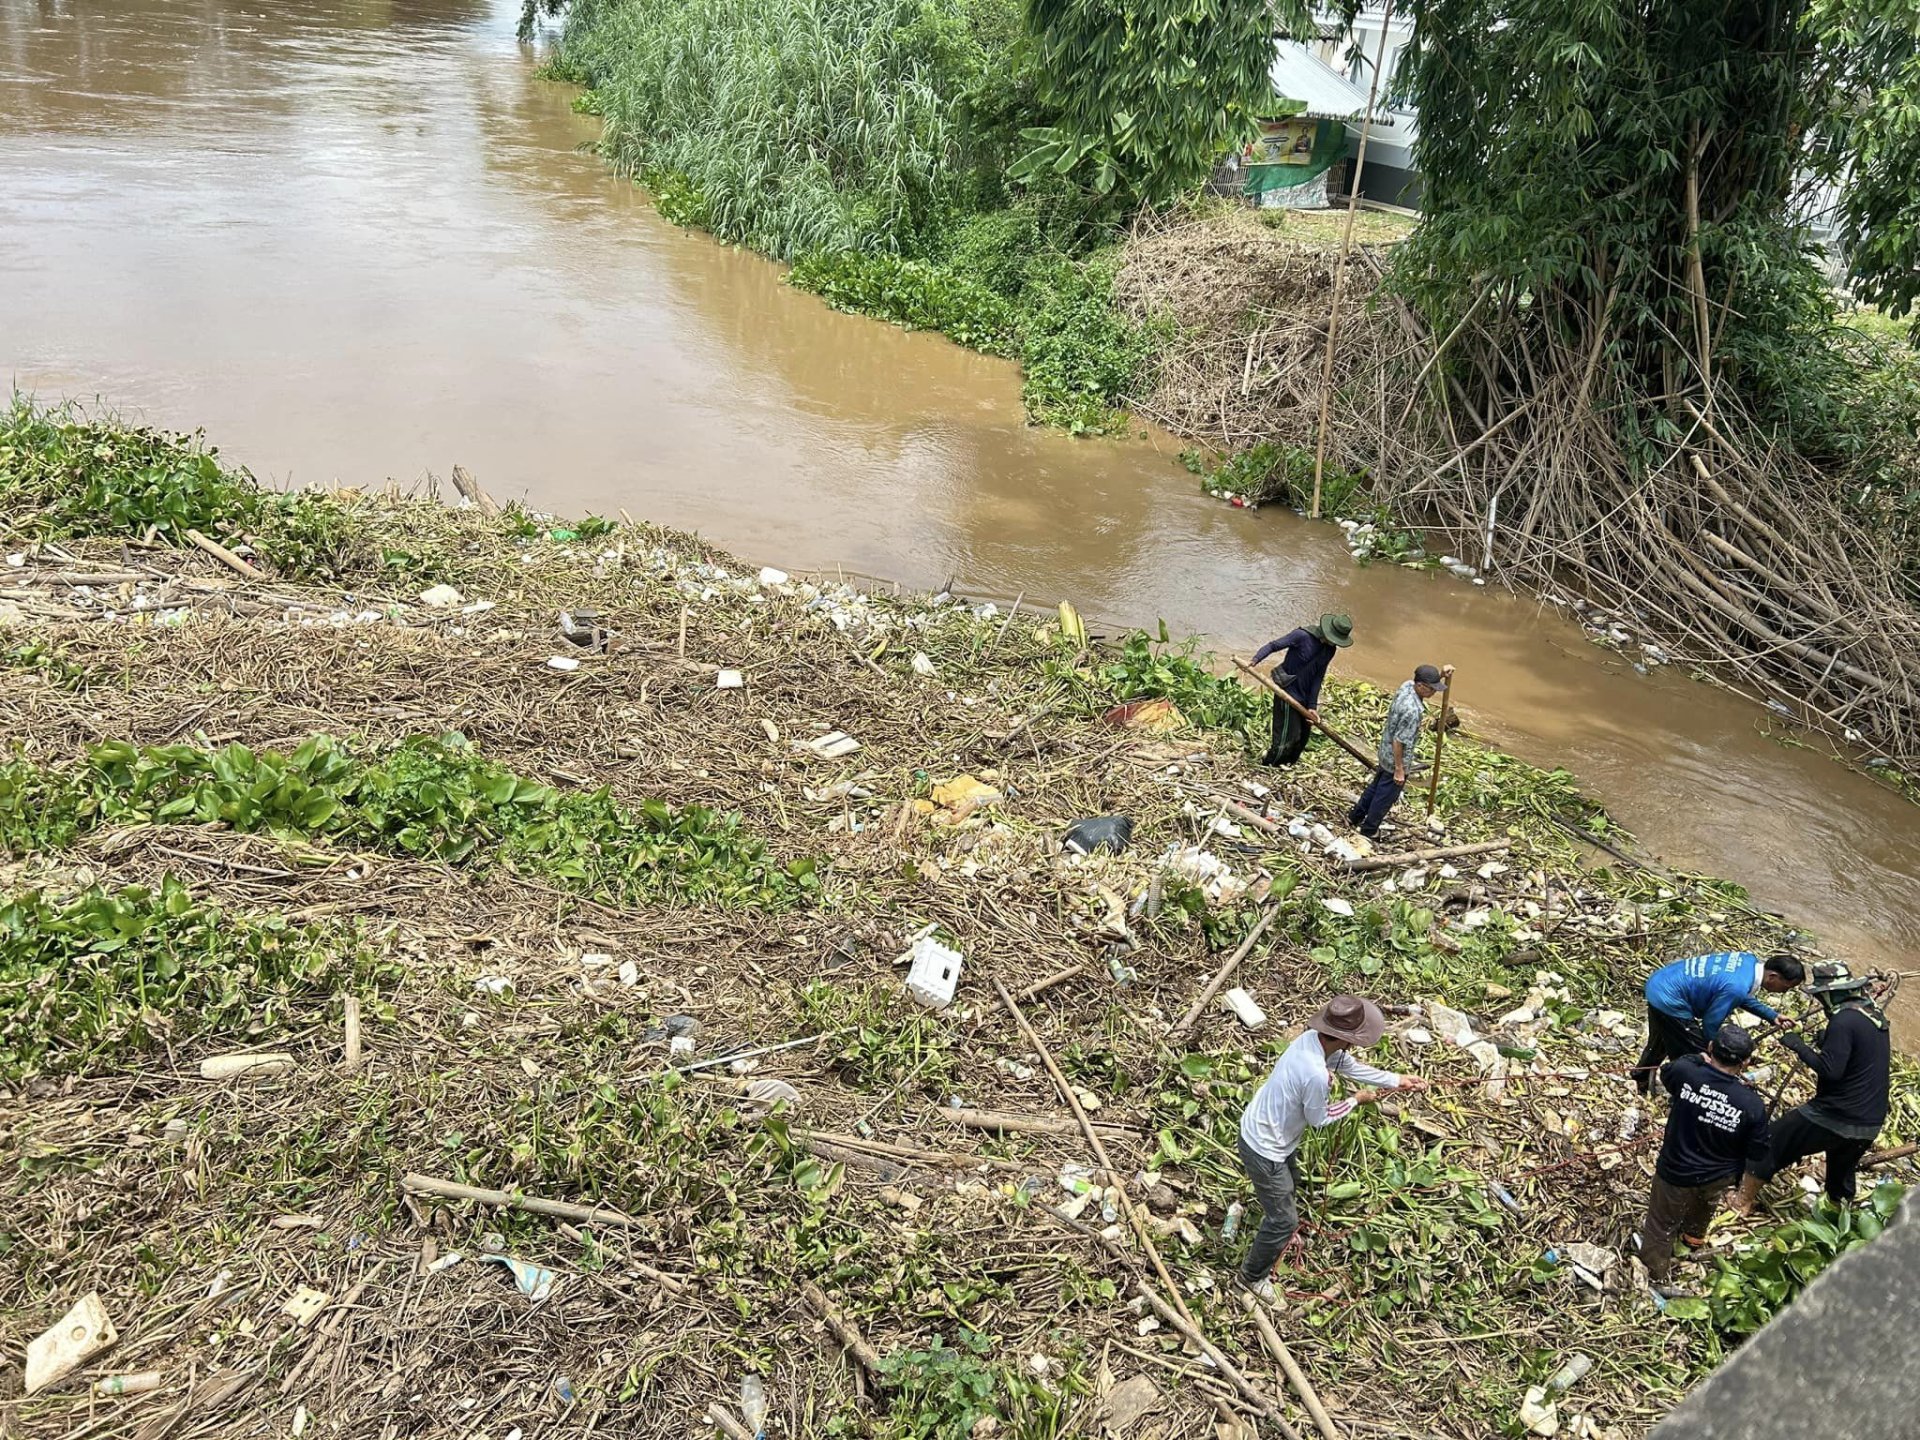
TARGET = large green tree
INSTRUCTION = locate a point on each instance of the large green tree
(1151, 94)
(1867, 140)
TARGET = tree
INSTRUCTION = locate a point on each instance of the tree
(1869, 141)
(1151, 94)
(1635, 373)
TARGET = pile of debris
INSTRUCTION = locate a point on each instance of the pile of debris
(943, 1146)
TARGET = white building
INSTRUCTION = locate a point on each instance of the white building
(1389, 175)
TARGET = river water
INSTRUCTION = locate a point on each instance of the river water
(356, 239)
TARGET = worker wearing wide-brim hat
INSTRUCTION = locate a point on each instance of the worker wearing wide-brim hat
(1298, 1094)
(1305, 655)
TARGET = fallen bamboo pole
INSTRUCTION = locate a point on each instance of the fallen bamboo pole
(844, 1330)
(1416, 857)
(1296, 1377)
(948, 1158)
(1220, 977)
(1114, 1177)
(1252, 1393)
(508, 1200)
(1249, 817)
(1887, 1157)
(1325, 729)
(82, 577)
(225, 556)
(724, 1422)
(1040, 987)
(350, 1045)
(1008, 1123)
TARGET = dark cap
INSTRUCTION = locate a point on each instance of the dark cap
(1731, 1045)
(1429, 676)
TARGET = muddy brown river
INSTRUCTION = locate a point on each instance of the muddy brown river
(355, 239)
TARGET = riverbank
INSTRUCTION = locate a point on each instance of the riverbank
(234, 811)
(1212, 321)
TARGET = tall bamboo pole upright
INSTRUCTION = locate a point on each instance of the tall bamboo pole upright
(1340, 265)
(1440, 739)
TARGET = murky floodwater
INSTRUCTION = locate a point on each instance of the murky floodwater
(355, 238)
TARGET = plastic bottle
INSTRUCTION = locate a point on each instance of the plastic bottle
(753, 1403)
(1232, 1226)
(1569, 1374)
(1629, 1123)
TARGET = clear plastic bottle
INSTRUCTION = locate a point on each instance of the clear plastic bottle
(1569, 1374)
(1629, 1123)
(1232, 1226)
(753, 1403)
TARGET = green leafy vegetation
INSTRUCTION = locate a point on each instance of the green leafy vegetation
(1150, 95)
(1868, 138)
(92, 978)
(1628, 214)
(1150, 668)
(870, 144)
(940, 1392)
(799, 127)
(1004, 287)
(64, 473)
(1275, 471)
(881, 1040)
(431, 797)
(1757, 1280)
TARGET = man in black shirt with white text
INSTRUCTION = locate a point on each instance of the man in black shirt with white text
(1717, 1127)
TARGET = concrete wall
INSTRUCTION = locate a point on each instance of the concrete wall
(1842, 1362)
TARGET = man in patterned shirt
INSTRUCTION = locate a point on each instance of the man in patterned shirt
(1398, 739)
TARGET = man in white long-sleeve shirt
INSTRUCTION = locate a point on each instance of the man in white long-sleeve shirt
(1297, 1095)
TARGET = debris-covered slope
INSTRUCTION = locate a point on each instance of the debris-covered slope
(546, 873)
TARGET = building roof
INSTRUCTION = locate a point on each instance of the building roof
(1298, 74)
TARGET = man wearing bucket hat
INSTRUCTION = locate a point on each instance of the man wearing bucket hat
(1398, 740)
(1296, 1095)
(1305, 655)
(1852, 1070)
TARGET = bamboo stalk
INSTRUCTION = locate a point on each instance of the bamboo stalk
(350, 1048)
(1340, 266)
(1118, 1180)
(1440, 735)
(844, 1330)
(225, 556)
(1221, 976)
(1007, 1123)
(1302, 1386)
(508, 1200)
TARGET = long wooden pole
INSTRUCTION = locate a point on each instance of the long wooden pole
(1439, 739)
(1114, 1176)
(1221, 975)
(1266, 682)
(1340, 265)
(1303, 1387)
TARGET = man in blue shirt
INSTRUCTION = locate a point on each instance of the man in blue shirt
(1306, 653)
(1398, 740)
(1689, 1000)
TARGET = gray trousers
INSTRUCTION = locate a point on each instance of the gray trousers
(1274, 1184)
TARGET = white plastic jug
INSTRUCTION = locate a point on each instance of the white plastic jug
(935, 973)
